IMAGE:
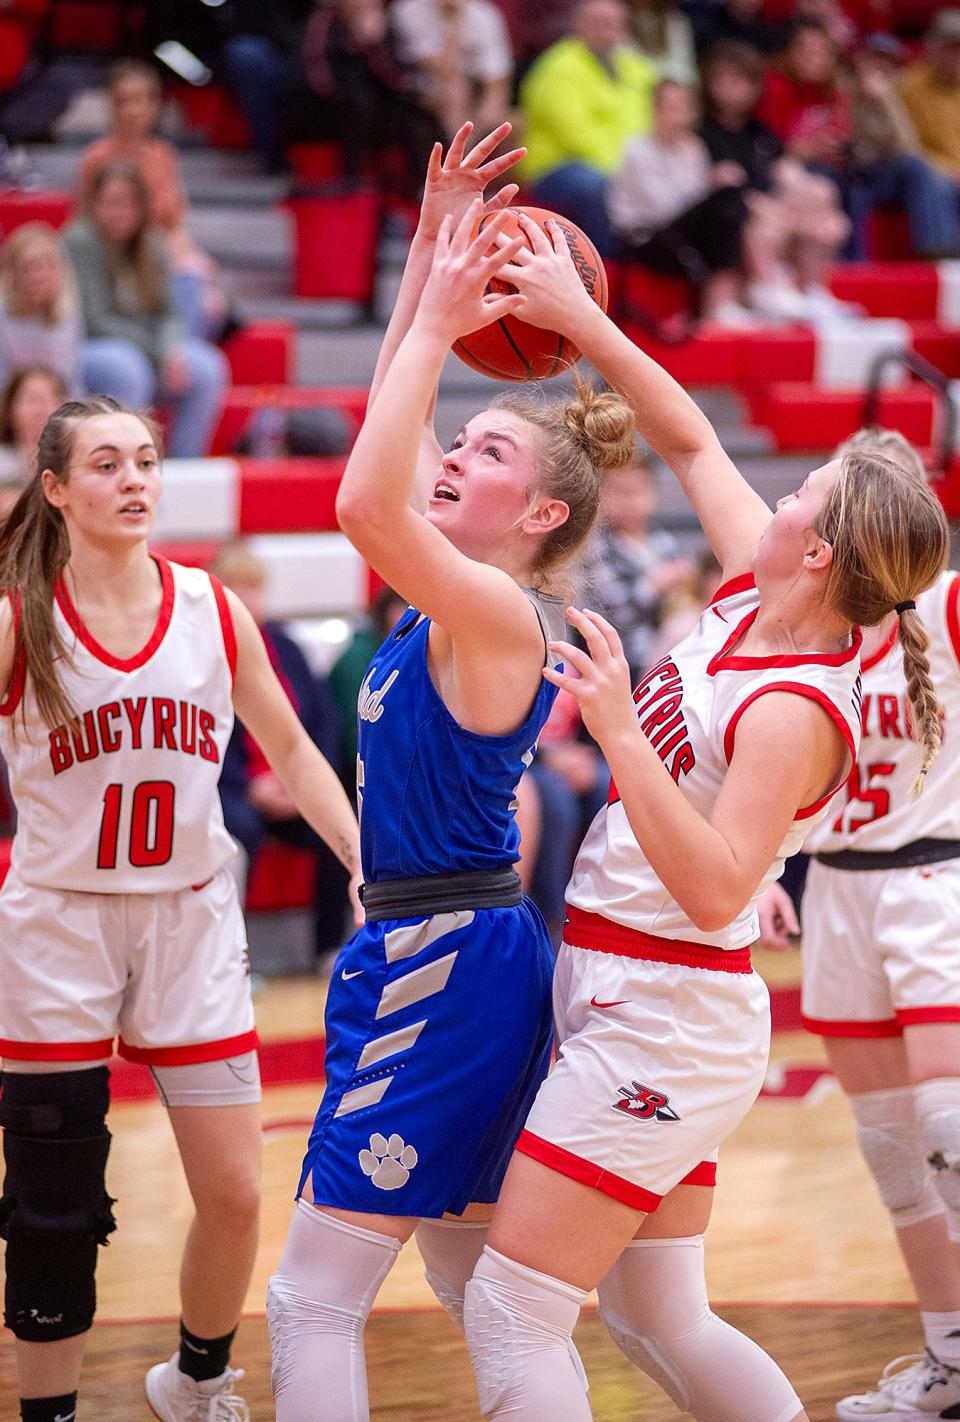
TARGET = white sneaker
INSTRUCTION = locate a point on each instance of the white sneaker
(914, 1388)
(176, 1398)
(780, 301)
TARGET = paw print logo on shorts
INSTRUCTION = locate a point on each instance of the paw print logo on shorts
(388, 1162)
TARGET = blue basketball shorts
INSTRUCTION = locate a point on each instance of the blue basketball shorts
(439, 1033)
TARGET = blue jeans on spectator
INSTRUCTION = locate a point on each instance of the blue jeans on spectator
(119, 368)
(580, 193)
(260, 78)
(929, 197)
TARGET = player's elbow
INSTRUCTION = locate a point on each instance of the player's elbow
(711, 909)
(349, 510)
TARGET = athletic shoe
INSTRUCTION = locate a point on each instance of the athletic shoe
(914, 1388)
(174, 1397)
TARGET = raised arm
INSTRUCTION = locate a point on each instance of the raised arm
(452, 184)
(733, 516)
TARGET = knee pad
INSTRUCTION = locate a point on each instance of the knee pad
(55, 1210)
(450, 1250)
(938, 1109)
(518, 1325)
(326, 1281)
(890, 1142)
(654, 1304)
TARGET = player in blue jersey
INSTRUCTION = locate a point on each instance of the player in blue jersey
(439, 1014)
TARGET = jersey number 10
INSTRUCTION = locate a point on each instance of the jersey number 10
(151, 825)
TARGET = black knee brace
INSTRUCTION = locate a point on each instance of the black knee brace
(55, 1210)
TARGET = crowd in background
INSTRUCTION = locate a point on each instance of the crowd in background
(741, 145)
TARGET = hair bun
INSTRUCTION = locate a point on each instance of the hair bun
(604, 423)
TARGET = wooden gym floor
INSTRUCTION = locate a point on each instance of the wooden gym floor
(799, 1254)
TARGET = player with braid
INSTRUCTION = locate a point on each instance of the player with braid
(119, 917)
(722, 759)
(881, 960)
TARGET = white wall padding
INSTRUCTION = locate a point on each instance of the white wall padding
(311, 573)
(847, 349)
(200, 500)
(948, 293)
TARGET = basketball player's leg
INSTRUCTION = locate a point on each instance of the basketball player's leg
(55, 1214)
(654, 1304)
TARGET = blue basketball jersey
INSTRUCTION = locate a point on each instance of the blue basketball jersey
(435, 798)
(439, 1027)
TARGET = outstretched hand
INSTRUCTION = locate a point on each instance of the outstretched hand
(455, 300)
(599, 678)
(455, 181)
(545, 274)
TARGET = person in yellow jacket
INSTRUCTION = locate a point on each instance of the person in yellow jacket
(583, 99)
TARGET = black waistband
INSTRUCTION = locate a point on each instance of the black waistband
(919, 851)
(442, 893)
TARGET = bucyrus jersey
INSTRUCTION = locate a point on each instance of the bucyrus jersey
(877, 810)
(689, 706)
(126, 801)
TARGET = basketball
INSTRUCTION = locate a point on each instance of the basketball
(511, 349)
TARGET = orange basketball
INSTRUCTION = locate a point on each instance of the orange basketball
(511, 349)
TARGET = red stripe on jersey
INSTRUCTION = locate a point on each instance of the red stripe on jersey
(721, 662)
(703, 1174)
(953, 620)
(883, 650)
(827, 1027)
(910, 1016)
(741, 583)
(601, 935)
(189, 1056)
(57, 1051)
(564, 1162)
(812, 693)
(226, 625)
(18, 675)
(139, 659)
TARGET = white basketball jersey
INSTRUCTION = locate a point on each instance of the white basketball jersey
(689, 706)
(877, 810)
(126, 801)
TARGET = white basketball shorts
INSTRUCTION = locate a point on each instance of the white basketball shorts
(166, 973)
(881, 948)
(660, 1057)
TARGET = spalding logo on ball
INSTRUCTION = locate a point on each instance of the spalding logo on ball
(511, 349)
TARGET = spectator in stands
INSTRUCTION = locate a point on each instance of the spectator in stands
(931, 92)
(740, 20)
(461, 50)
(255, 805)
(350, 668)
(796, 223)
(359, 91)
(680, 214)
(136, 349)
(685, 602)
(888, 164)
(804, 104)
(583, 100)
(665, 35)
(39, 311)
(135, 99)
(260, 69)
(27, 401)
(630, 567)
(832, 17)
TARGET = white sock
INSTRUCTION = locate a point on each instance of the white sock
(942, 1334)
(450, 1250)
(654, 1304)
(518, 1325)
(318, 1301)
